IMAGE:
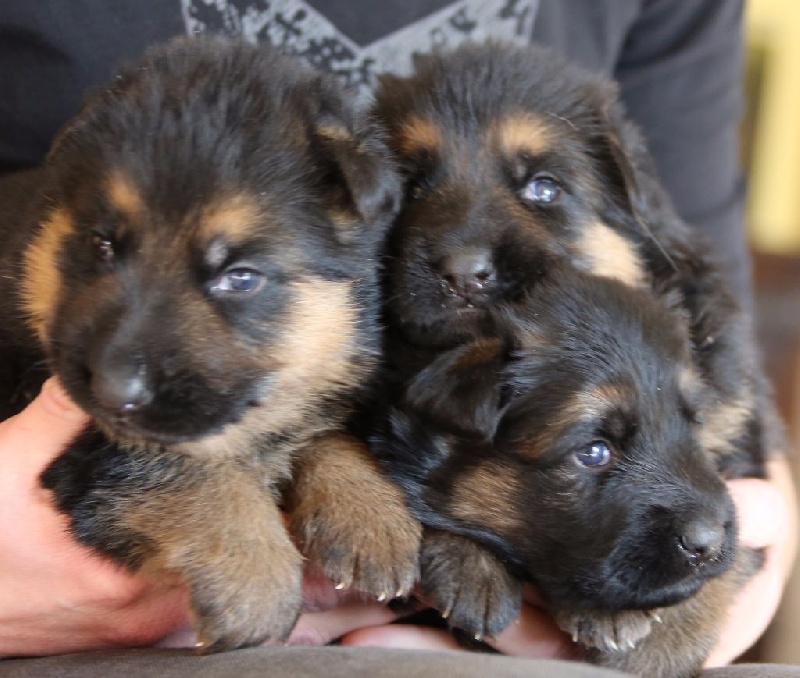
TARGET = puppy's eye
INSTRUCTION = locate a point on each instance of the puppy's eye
(103, 247)
(239, 280)
(542, 189)
(595, 455)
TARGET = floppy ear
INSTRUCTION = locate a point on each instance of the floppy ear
(638, 203)
(627, 166)
(462, 391)
(366, 188)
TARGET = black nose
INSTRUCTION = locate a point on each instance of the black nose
(701, 539)
(121, 387)
(466, 273)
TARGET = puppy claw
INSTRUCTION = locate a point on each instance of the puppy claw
(655, 616)
(381, 597)
(608, 632)
(341, 586)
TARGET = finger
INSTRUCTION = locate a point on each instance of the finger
(321, 628)
(42, 429)
(531, 595)
(534, 634)
(761, 511)
(403, 636)
(752, 611)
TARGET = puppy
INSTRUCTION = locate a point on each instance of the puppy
(571, 451)
(517, 164)
(198, 268)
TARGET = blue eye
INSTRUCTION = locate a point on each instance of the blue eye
(239, 280)
(542, 190)
(595, 454)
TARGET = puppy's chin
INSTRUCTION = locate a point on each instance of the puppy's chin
(634, 588)
(445, 327)
(183, 428)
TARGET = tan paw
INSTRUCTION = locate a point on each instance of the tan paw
(379, 557)
(352, 523)
(258, 602)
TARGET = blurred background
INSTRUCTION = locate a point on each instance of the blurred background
(771, 154)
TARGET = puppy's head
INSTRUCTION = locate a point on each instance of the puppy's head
(574, 452)
(512, 159)
(213, 219)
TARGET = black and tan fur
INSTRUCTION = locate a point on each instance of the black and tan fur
(476, 132)
(199, 270)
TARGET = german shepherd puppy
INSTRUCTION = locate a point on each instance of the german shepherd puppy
(198, 268)
(571, 450)
(517, 164)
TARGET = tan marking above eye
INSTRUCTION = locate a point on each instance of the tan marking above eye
(230, 220)
(595, 403)
(522, 133)
(418, 134)
(42, 282)
(124, 195)
(605, 253)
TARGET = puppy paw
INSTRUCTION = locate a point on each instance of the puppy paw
(608, 631)
(352, 523)
(378, 556)
(246, 611)
(470, 587)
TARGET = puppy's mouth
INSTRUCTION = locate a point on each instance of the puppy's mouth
(465, 305)
(119, 427)
(154, 425)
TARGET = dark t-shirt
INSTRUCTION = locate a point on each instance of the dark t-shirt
(678, 63)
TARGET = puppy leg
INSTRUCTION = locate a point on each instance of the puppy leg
(214, 526)
(468, 584)
(351, 521)
(681, 636)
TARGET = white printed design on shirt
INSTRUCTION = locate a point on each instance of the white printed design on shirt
(300, 29)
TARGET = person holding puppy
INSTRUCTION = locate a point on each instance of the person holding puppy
(56, 596)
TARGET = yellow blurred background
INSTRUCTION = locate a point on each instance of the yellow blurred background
(771, 153)
(773, 36)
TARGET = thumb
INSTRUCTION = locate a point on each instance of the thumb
(44, 428)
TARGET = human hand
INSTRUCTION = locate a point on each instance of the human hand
(56, 595)
(767, 513)
(59, 596)
(767, 520)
